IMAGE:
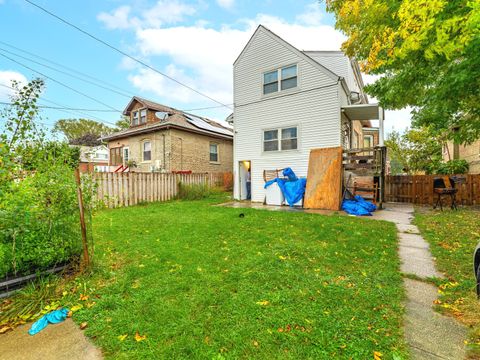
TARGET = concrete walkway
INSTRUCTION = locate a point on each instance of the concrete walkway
(429, 334)
(64, 341)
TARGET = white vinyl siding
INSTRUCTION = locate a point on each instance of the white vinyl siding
(313, 107)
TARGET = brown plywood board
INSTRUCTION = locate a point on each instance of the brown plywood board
(324, 179)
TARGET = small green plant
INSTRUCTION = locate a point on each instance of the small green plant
(193, 192)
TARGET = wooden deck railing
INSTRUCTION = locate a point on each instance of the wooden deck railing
(126, 189)
(418, 189)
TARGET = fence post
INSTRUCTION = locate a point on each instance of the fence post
(83, 228)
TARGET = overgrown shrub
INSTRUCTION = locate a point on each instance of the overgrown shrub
(193, 192)
(39, 215)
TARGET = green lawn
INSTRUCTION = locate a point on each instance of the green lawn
(453, 236)
(200, 282)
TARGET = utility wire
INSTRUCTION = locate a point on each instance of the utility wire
(69, 112)
(63, 108)
(59, 82)
(125, 54)
(67, 68)
(65, 73)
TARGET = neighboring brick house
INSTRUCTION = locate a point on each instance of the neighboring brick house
(164, 139)
(470, 153)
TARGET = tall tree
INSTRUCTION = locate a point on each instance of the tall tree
(427, 52)
(75, 129)
(415, 150)
(123, 123)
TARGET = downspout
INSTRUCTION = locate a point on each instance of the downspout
(164, 156)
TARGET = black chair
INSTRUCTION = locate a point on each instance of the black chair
(445, 186)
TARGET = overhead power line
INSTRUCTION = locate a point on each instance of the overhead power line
(63, 108)
(59, 82)
(125, 54)
(73, 112)
(67, 68)
(65, 73)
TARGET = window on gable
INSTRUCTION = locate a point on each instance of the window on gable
(280, 79)
(213, 152)
(289, 77)
(135, 118)
(147, 151)
(270, 82)
(143, 116)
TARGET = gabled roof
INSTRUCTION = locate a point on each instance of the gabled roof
(177, 119)
(299, 53)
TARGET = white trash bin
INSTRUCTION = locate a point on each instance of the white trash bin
(274, 195)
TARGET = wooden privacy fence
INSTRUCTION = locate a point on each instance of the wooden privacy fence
(418, 189)
(126, 189)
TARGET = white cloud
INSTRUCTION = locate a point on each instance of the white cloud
(163, 12)
(313, 15)
(226, 4)
(207, 54)
(118, 19)
(6, 78)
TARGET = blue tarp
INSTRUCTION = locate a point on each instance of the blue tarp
(52, 317)
(358, 206)
(293, 189)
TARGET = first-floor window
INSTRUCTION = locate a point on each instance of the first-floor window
(147, 151)
(126, 155)
(280, 139)
(213, 152)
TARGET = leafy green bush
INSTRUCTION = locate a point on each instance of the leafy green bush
(39, 215)
(39, 222)
(452, 167)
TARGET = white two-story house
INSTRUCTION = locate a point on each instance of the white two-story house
(287, 102)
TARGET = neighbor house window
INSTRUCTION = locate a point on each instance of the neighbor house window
(280, 139)
(367, 141)
(213, 152)
(355, 140)
(147, 151)
(135, 119)
(280, 79)
(143, 116)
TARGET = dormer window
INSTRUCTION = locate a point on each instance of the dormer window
(143, 116)
(280, 79)
(135, 118)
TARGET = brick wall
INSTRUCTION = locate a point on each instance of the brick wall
(183, 151)
(192, 152)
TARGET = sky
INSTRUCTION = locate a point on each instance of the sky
(192, 41)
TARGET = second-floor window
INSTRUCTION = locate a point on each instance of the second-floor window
(280, 79)
(367, 141)
(280, 139)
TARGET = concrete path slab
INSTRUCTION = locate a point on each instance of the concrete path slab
(429, 334)
(64, 341)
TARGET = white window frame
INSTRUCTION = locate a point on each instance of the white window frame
(280, 79)
(279, 139)
(135, 116)
(368, 137)
(126, 159)
(143, 150)
(140, 117)
(217, 145)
